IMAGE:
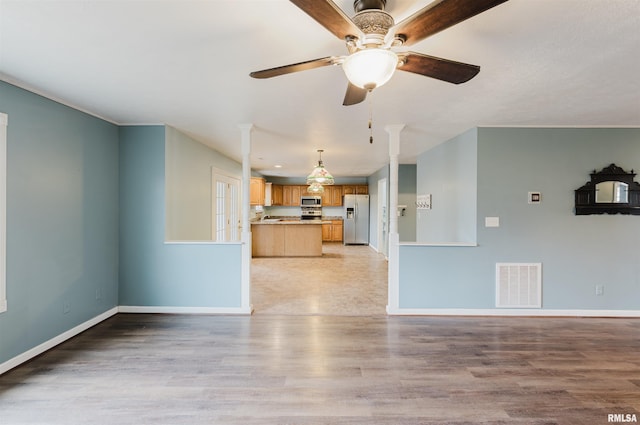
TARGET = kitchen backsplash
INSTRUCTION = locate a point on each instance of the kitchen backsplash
(295, 211)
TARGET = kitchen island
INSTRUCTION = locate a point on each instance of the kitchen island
(286, 238)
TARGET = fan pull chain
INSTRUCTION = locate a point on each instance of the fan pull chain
(370, 119)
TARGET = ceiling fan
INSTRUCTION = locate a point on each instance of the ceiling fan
(370, 36)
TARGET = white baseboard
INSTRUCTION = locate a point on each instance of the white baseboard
(509, 312)
(47, 345)
(184, 310)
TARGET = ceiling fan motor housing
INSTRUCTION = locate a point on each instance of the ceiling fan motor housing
(360, 5)
(375, 25)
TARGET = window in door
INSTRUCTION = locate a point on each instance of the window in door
(226, 208)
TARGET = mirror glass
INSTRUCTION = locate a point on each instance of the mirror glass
(612, 192)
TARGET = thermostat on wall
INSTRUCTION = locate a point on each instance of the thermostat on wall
(534, 197)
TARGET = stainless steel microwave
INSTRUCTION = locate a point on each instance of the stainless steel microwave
(311, 201)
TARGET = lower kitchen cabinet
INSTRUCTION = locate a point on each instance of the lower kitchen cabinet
(336, 231)
(332, 231)
(286, 240)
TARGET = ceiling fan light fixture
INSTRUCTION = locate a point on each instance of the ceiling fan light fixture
(370, 68)
(320, 175)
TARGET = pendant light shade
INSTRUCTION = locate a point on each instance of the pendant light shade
(315, 188)
(320, 175)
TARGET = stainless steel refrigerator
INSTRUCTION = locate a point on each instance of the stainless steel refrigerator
(356, 219)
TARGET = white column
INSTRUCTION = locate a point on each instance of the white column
(393, 303)
(245, 291)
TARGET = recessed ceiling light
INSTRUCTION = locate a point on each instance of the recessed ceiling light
(278, 166)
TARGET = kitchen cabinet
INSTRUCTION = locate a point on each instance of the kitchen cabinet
(332, 196)
(291, 195)
(256, 191)
(286, 196)
(286, 239)
(336, 230)
(332, 231)
(326, 232)
(276, 194)
(336, 196)
(355, 189)
(272, 194)
(304, 192)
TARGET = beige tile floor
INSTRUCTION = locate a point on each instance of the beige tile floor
(346, 281)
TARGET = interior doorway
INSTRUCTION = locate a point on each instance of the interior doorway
(348, 280)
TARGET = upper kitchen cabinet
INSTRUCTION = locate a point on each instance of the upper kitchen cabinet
(256, 191)
(276, 194)
(291, 195)
(272, 194)
(355, 189)
(332, 196)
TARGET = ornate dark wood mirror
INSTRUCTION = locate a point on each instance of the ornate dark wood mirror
(610, 191)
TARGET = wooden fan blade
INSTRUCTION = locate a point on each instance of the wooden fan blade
(330, 16)
(441, 69)
(440, 15)
(354, 95)
(296, 67)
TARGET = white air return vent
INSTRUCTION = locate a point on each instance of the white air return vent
(519, 285)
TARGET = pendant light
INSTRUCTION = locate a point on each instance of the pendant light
(320, 174)
(315, 188)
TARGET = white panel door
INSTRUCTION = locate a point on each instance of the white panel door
(226, 208)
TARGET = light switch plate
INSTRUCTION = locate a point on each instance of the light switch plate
(423, 202)
(492, 222)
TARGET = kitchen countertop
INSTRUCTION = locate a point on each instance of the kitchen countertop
(294, 220)
(290, 222)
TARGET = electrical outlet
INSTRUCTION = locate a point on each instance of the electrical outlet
(599, 289)
(66, 307)
(98, 294)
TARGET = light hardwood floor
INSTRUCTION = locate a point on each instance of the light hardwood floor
(303, 362)
(311, 370)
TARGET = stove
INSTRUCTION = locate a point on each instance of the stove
(311, 213)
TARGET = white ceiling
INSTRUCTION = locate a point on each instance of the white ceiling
(187, 63)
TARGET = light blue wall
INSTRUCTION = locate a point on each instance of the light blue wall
(577, 252)
(448, 172)
(62, 219)
(153, 273)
